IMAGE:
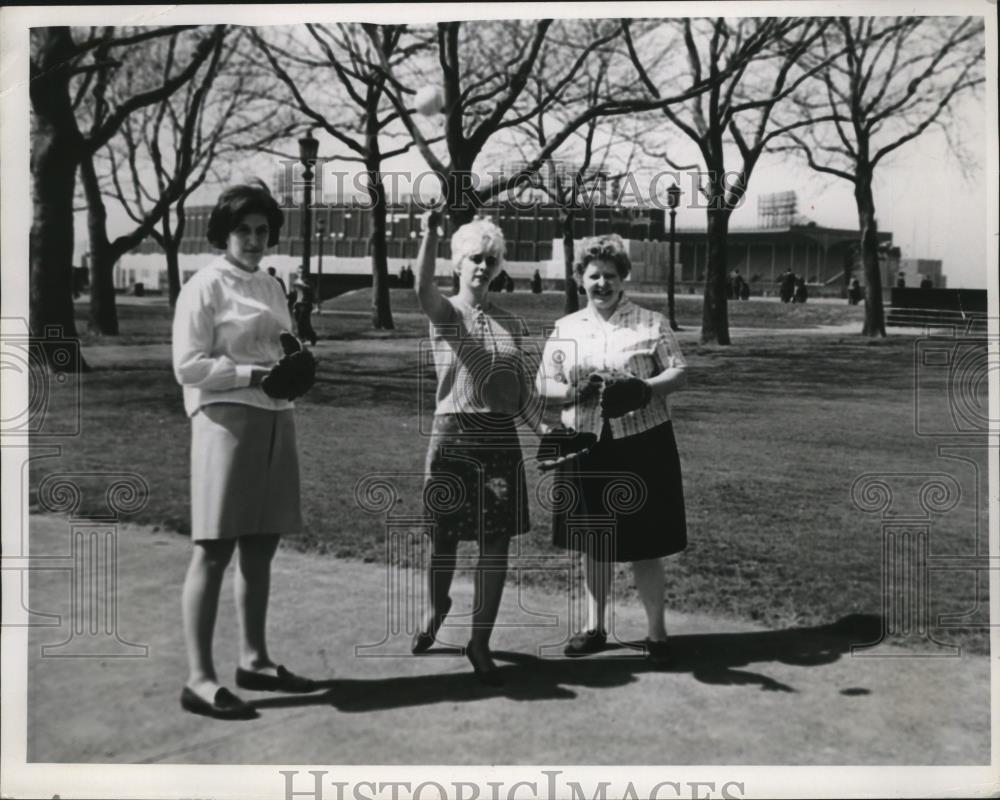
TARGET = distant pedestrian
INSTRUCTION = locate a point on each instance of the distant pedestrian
(302, 307)
(901, 281)
(787, 286)
(744, 291)
(499, 282)
(854, 293)
(801, 293)
(736, 286)
(536, 283)
(281, 283)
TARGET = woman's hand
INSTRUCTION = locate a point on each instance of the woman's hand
(257, 375)
(430, 220)
(430, 300)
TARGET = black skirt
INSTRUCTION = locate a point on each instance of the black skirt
(623, 501)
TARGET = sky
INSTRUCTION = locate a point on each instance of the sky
(934, 204)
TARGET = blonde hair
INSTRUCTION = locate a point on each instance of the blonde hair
(480, 235)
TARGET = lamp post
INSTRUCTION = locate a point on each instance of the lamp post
(320, 232)
(673, 200)
(308, 150)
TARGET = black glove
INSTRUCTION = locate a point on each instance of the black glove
(622, 395)
(561, 445)
(294, 375)
(591, 386)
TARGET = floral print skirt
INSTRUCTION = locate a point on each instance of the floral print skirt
(475, 486)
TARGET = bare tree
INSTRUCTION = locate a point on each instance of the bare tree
(595, 157)
(484, 71)
(895, 79)
(754, 65)
(353, 55)
(61, 75)
(169, 150)
(156, 65)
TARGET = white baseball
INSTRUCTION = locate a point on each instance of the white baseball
(429, 101)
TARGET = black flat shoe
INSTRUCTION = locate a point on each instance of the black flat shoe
(226, 706)
(284, 681)
(488, 675)
(586, 643)
(423, 640)
(659, 653)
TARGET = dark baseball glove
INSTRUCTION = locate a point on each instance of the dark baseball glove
(590, 387)
(294, 375)
(561, 445)
(622, 395)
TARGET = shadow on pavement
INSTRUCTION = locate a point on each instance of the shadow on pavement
(711, 658)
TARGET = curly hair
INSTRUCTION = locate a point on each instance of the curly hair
(237, 202)
(479, 236)
(609, 248)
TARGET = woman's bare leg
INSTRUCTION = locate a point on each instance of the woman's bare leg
(200, 605)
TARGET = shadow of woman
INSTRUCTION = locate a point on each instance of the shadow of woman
(711, 658)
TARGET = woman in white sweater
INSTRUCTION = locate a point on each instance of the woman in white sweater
(229, 333)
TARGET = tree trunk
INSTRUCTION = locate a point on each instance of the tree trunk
(381, 306)
(103, 311)
(715, 311)
(461, 198)
(56, 145)
(103, 308)
(173, 271)
(170, 242)
(874, 312)
(572, 299)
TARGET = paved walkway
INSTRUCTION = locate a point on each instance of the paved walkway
(736, 694)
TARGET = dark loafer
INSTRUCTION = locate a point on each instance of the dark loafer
(586, 643)
(284, 681)
(422, 640)
(226, 705)
(658, 653)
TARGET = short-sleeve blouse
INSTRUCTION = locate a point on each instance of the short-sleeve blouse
(633, 340)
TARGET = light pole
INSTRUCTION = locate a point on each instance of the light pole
(673, 200)
(320, 231)
(308, 150)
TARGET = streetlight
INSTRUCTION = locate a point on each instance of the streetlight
(308, 150)
(673, 200)
(320, 231)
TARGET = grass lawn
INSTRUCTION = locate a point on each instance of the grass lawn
(773, 431)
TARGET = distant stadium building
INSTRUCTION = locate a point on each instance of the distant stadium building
(782, 240)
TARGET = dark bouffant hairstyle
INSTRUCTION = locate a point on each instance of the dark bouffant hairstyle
(234, 204)
(608, 248)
